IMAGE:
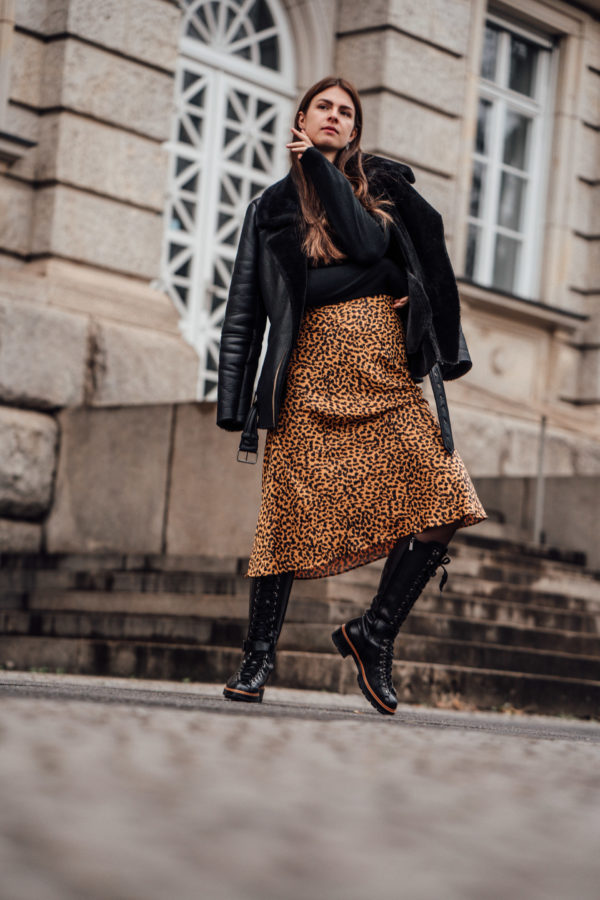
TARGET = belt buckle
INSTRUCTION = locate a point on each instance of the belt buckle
(242, 456)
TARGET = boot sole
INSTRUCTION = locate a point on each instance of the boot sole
(345, 647)
(243, 696)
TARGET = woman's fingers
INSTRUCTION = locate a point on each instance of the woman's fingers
(300, 145)
(399, 301)
(303, 136)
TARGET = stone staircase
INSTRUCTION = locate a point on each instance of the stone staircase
(513, 627)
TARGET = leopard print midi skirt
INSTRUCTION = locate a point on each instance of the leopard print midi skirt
(357, 459)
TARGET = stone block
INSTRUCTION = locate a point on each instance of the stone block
(442, 23)
(112, 480)
(398, 62)
(587, 457)
(26, 124)
(27, 462)
(27, 61)
(49, 17)
(43, 355)
(479, 438)
(102, 159)
(354, 16)
(20, 537)
(413, 133)
(144, 29)
(97, 83)
(214, 500)
(587, 153)
(97, 293)
(584, 272)
(138, 365)
(589, 376)
(16, 216)
(586, 207)
(435, 21)
(509, 359)
(97, 230)
(563, 370)
(590, 105)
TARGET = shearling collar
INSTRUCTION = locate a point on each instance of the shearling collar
(279, 204)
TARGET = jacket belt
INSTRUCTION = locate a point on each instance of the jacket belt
(439, 395)
(248, 449)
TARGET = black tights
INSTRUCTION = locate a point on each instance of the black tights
(441, 533)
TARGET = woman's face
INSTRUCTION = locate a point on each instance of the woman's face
(329, 119)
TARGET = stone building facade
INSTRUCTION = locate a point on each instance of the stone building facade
(133, 135)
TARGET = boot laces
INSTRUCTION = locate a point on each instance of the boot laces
(264, 610)
(443, 563)
(386, 658)
(251, 663)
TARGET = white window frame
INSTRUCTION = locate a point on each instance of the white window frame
(203, 247)
(540, 110)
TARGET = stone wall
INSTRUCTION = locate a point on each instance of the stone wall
(151, 479)
(81, 223)
(165, 479)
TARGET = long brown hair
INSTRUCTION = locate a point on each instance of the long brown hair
(317, 242)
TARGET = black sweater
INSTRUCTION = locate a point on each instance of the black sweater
(368, 271)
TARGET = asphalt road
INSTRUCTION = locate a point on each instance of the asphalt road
(119, 789)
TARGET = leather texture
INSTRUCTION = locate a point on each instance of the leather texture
(269, 595)
(269, 283)
(370, 637)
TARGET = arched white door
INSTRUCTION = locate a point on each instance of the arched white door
(235, 82)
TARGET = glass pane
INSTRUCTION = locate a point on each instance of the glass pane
(512, 201)
(269, 53)
(477, 189)
(523, 64)
(506, 261)
(484, 116)
(489, 58)
(473, 240)
(517, 131)
(260, 16)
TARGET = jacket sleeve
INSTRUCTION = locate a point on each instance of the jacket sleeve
(242, 334)
(358, 233)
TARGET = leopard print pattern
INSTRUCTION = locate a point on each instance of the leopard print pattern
(357, 459)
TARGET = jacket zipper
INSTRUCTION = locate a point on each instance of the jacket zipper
(275, 387)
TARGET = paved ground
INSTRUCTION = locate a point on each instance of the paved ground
(122, 790)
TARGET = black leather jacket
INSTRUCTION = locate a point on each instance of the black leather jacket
(269, 282)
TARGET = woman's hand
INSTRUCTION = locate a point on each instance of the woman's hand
(300, 145)
(399, 301)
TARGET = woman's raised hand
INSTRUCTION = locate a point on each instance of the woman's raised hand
(299, 146)
(399, 301)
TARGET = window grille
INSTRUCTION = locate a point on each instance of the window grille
(510, 160)
(233, 90)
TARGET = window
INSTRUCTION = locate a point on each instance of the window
(510, 157)
(233, 90)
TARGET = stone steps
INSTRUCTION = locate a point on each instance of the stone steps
(555, 583)
(512, 625)
(575, 615)
(416, 682)
(301, 631)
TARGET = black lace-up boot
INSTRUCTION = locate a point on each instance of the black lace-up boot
(370, 638)
(269, 595)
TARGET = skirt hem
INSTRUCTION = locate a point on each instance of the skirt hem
(340, 564)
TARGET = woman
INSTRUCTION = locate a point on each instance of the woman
(349, 265)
